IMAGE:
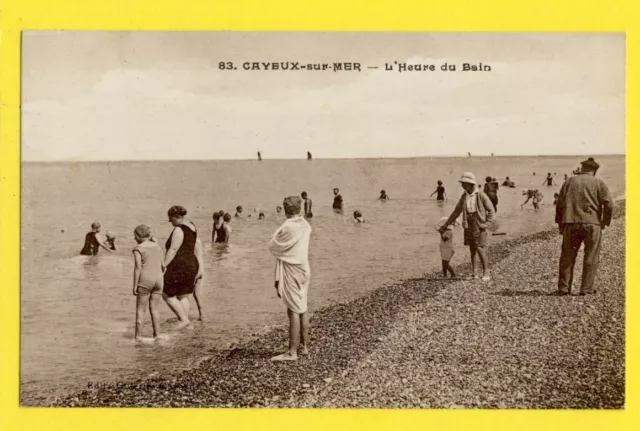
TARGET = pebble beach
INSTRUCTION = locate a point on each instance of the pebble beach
(429, 343)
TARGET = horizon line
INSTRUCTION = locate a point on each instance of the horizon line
(483, 156)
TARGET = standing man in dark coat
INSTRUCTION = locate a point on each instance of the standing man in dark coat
(583, 210)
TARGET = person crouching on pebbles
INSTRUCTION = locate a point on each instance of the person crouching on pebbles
(446, 248)
(290, 246)
(477, 214)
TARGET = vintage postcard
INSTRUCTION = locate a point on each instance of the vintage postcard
(323, 220)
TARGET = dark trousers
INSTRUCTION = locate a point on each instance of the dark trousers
(574, 235)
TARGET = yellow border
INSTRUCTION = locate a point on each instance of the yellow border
(372, 15)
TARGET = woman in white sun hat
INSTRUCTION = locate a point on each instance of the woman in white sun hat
(477, 214)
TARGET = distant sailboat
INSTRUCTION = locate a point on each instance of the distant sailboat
(259, 157)
(309, 157)
(491, 154)
(469, 154)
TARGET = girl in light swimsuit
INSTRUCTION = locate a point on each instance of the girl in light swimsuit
(148, 279)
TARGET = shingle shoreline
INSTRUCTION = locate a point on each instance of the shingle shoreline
(428, 343)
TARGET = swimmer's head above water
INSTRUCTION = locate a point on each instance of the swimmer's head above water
(488, 179)
(278, 209)
(239, 209)
(217, 216)
(226, 217)
(95, 226)
(304, 195)
(336, 191)
(261, 216)
(439, 182)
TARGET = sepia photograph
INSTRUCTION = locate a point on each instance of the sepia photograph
(342, 220)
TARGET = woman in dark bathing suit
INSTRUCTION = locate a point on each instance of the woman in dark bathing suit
(549, 180)
(219, 235)
(93, 241)
(184, 264)
(440, 191)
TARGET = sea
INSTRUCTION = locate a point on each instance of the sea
(77, 312)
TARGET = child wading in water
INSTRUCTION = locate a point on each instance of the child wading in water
(477, 214)
(148, 278)
(446, 248)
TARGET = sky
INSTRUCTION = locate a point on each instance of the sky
(92, 96)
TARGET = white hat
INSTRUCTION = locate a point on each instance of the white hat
(442, 221)
(468, 178)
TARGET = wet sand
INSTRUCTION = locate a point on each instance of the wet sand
(509, 343)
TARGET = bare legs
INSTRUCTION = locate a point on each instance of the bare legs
(304, 333)
(141, 309)
(446, 268)
(184, 302)
(298, 336)
(153, 301)
(177, 305)
(154, 304)
(294, 332)
(197, 295)
(482, 253)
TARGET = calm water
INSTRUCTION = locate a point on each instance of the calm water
(78, 312)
